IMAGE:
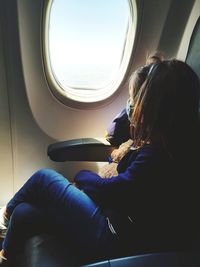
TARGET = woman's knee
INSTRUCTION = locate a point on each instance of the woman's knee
(42, 173)
(24, 214)
(44, 176)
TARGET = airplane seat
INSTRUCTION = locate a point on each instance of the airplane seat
(48, 251)
(193, 54)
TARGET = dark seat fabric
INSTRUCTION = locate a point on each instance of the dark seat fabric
(48, 251)
(51, 251)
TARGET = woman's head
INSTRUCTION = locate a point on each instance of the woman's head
(137, 79)
(166, 106)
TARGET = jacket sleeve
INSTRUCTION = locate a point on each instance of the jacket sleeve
(119, 130)
(112, 189)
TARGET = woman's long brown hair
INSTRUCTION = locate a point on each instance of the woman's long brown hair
(166, 106)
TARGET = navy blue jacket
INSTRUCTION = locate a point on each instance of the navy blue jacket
(155, 191)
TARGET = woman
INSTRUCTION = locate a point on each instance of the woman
(150, 205)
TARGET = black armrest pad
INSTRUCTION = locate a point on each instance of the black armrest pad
(85, 149)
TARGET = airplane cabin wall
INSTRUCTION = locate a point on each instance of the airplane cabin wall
(23, 144)
(6, 163)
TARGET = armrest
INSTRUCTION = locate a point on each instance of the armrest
(85, 149)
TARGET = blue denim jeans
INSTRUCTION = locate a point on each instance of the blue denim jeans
(49, 202)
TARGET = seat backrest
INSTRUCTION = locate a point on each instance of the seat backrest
(193, 54)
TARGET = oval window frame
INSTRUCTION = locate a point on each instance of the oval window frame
(77, 98)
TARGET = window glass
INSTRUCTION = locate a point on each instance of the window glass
(86, 43)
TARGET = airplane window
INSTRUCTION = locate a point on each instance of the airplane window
(87, 46)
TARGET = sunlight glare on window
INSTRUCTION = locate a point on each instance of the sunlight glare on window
(86, 41)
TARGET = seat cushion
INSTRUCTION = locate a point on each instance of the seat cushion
(49, 251)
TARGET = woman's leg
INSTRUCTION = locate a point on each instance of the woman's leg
(41, 189)
(26, 221)
(72, 212)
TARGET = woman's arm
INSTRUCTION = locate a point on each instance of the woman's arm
(110, 190)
